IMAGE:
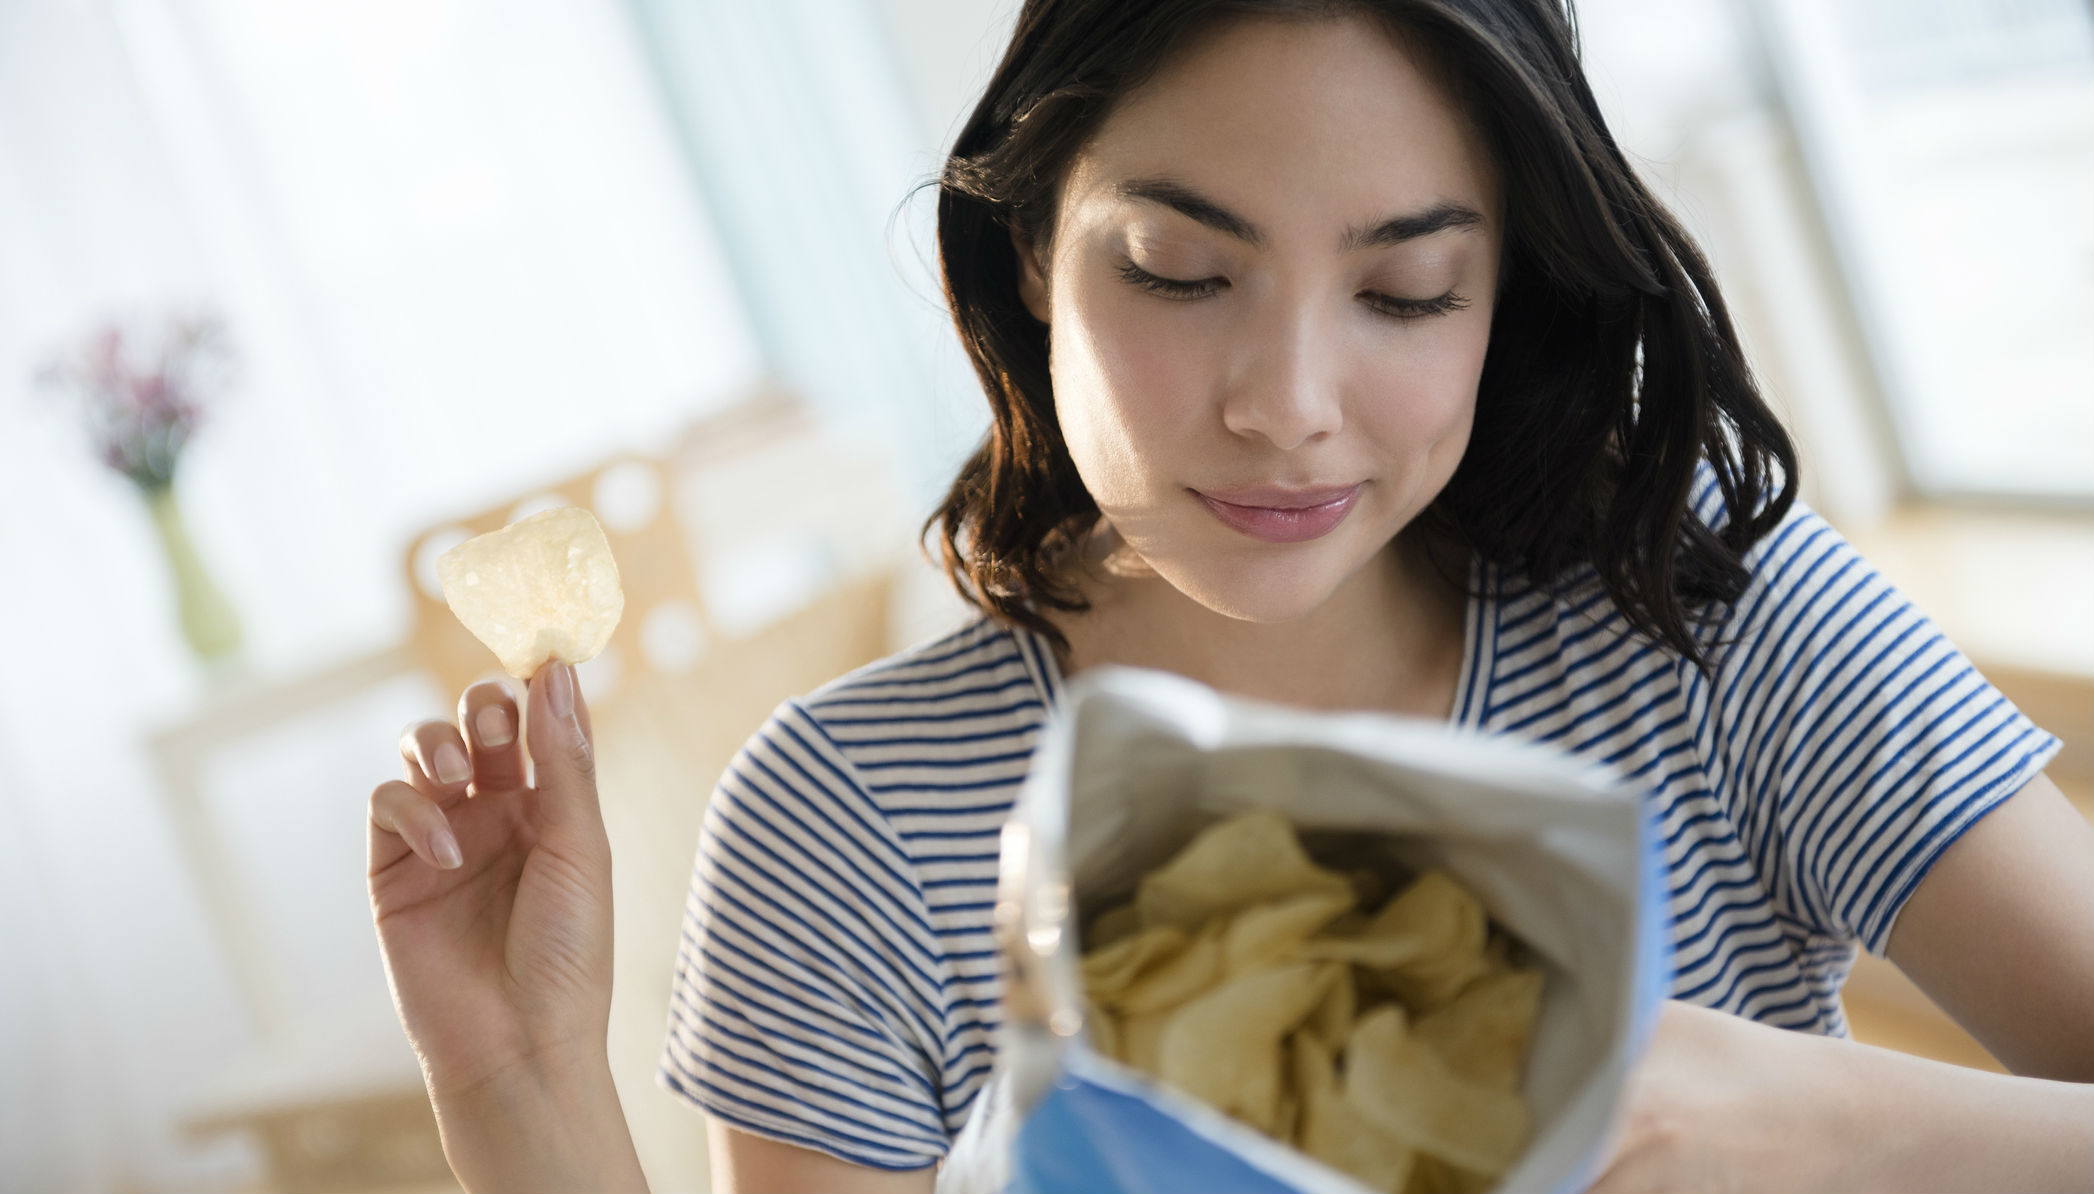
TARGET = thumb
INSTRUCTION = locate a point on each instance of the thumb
(562, 755)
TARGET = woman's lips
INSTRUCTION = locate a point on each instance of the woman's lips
(1281, 515)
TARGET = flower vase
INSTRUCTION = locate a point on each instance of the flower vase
(210, 625)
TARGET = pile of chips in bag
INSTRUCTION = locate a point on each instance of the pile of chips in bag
(1382, 1033)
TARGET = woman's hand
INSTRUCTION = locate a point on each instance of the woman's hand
(1719, 1102)
(493, 896)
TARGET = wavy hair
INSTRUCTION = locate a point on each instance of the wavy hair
(1612, 372)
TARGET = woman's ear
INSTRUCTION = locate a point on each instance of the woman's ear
(1032, 281)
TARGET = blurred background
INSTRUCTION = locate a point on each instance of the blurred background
(378, 275)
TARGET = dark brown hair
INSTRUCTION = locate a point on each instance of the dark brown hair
(1612, 369)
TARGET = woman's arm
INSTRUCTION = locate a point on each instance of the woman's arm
(492, 901)
(743, 1163)
(553, 1126)
(1898, 1122)
(2001, 934)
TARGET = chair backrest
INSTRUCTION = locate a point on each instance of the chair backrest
(749, 515)
(758, 560)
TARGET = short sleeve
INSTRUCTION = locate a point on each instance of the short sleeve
(1860, 743)
(805, 1002)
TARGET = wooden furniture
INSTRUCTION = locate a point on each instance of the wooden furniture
(181, 752)
(758, 559)
(335, 1103)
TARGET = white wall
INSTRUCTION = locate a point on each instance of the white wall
(946, 50)
(460, 253)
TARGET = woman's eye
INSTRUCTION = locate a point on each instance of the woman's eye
(1385, 304)
(1407, 308)
(1171, 287)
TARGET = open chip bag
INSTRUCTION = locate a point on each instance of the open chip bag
(1326, 953)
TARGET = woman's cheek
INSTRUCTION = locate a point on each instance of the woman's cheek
(1434, 383)
(1126, 385)
(1418, 413)
(1151, 358)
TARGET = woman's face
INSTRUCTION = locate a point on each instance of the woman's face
(1269, 293)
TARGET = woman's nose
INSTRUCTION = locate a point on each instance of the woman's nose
(1286, 389)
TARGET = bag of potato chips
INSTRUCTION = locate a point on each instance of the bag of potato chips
(1256, 948)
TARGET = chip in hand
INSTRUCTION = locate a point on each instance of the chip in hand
(541, 588)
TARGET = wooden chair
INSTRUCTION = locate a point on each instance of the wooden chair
(758, 554)
(704, 652)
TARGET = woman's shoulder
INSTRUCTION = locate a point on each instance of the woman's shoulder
(837, 927)
(1792, 554)
(965, 669)
(883, 733)
(1560, 646)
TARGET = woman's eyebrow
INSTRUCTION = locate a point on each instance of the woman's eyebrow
(1440, 217)
(1191, 204)
(1394, 231)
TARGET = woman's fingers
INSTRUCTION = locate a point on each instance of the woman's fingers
(487, 717)
(564, 761)
(434, 761)
(414, 819)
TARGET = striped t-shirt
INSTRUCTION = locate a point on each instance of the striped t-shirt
(836, 986)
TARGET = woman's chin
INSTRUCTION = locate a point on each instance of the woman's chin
(1276, 597)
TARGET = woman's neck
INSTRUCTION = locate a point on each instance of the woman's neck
(1390, 638)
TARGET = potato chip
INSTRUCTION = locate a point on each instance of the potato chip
(1431, 1175)
(1269, 932)
(1244, 974)
(1482, 1035)
(1103, 1028)
(1398, 1084)
(1286, 1116)
(1426, 945)
(1498, 951)
(1141, 1040)
(1109, 971)
(1224, 1047)
(1247, 859)
(1332, 1020)
(1112, 925)
(1177, 978)
(1312, 1065)
(1369, 885)
(542, 588)
(1352, 924)
(1333, 1132)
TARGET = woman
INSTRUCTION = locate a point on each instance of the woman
(1337, 358)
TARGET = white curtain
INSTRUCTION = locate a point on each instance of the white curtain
(800, 130)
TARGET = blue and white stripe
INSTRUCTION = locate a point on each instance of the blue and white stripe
(836, 985)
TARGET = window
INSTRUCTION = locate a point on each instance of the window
(1950, 145)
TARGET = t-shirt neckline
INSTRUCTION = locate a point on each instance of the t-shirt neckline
(1470, 690)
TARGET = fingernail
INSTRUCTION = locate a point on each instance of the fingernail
(445, 847)
(451, 767)
(559, 691)
(492, 725)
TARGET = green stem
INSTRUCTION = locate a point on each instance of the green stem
(209, 623)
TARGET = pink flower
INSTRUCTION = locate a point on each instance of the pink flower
(143, 391)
